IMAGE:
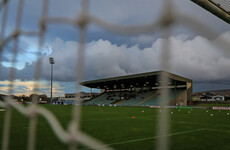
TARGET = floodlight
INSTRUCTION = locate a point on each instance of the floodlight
(51, 60)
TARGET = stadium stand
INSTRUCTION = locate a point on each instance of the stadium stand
(138, 99)
(140, 90)
(104, 98)
(155, 99)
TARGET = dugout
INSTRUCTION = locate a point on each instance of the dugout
(144, 82)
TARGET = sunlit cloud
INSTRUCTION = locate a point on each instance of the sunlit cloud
(27, 88)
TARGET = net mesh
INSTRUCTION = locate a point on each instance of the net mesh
(73, 135)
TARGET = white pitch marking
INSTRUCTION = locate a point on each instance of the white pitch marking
(183, 122)
(2, 110)
(217, 130)
(154, 137)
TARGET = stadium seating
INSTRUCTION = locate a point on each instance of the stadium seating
(130, 98)
(140, 97)
(155, 100)
(104, 98)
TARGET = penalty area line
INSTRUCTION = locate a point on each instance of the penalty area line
(153, 137)
(216, 130)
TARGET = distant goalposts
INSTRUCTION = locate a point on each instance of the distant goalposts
(73, 136)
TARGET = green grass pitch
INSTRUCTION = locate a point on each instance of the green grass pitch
(115, 126)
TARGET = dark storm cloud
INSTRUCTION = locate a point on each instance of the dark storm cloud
(118, 12)
(5, 58)
(194, 58)
(5, 72)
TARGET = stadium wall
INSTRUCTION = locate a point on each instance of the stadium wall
(181, 100)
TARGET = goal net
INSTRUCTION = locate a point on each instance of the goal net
(73, 136)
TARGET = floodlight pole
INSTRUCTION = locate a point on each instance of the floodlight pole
(51, 78)
(51, 82)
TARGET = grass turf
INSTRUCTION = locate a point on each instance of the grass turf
(116, 127)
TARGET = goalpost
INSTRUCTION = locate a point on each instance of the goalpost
(73, 136)
(220, 8)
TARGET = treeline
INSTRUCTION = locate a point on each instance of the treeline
(25, 98)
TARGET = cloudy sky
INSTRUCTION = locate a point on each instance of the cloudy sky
(109, 54)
